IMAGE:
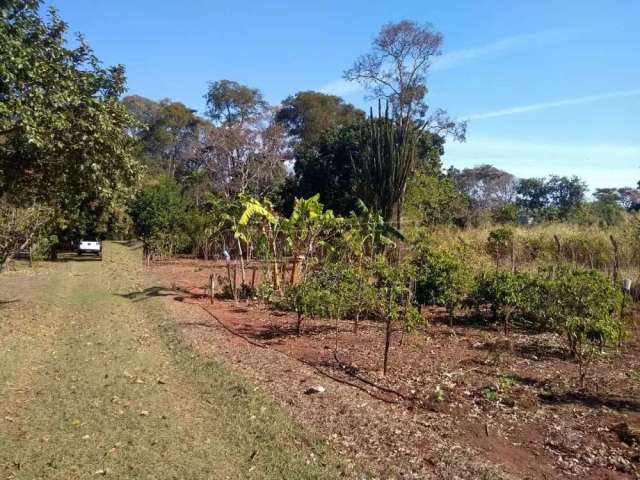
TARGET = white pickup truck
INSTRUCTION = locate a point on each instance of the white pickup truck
(90, 246)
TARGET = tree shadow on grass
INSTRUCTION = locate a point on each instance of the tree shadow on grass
(74, 257)
(178, 294)
(151, 292)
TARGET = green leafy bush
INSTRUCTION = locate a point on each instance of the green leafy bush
(308, 298)
(442, 278)
(395, 287)
(506, 293)
(159, 214)
(584, 304)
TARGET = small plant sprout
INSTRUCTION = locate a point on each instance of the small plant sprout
(438, 394)
(505, 382)
(490, 394)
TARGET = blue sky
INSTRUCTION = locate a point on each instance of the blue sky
(547, 86)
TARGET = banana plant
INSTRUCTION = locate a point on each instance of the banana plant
(307, 229)
(269, 224)
(369, 233)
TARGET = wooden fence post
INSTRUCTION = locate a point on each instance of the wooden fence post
(616, 258)
(235, 282)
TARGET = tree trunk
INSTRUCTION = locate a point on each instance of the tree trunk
(235, 282)
(294, 268)
(387, 343)
(241, 260)
(299, 325)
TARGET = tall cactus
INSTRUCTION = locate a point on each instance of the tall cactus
(387, 160)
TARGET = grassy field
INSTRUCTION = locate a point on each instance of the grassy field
(95, 381)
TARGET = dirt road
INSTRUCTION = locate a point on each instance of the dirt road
(95, 381)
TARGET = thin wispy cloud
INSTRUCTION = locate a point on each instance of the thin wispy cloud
(457, 58)
(468, 55)
(535, 107)
(340, 87)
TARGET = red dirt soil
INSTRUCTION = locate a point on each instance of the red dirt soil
(461, 402)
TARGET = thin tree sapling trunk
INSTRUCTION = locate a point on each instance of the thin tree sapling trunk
(387, 334)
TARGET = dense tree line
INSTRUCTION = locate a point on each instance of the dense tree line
(78, 158)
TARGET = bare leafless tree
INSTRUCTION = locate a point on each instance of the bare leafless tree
(396, 70)
(245, 157)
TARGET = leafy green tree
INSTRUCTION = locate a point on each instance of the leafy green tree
(159, 216)
(330, 166)
(566, 193)
(395, 299)
(326, 167)
(171, 133)
(230, 103)
(607, 207)
(531, 194)
(506, 215)
(551, 199)
(18, 228)
(433, 200)
(306, 115)
(64, 139)
(309, 298)
(504, 292)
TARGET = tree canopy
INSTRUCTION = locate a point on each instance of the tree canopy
(395, 70)
(231, 103)
(306, 115)
(64, 134)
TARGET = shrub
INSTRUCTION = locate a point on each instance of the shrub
(442, 278)
(308, 299)
(159, 215)
(394, 285)
(584, 304)
(505, 293)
